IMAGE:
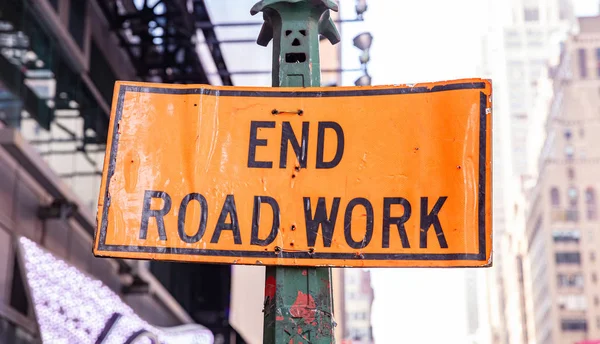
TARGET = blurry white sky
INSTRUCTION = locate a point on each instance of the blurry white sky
(586, 7)
(426, 40)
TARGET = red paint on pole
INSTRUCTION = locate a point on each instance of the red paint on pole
(279, 318)
(304, 307)
(304, 272)
(327, 282)
(270, 286)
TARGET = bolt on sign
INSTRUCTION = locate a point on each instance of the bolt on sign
(339, 176)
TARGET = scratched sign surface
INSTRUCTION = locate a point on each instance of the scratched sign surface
(345, 176)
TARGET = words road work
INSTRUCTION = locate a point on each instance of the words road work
(345, 176)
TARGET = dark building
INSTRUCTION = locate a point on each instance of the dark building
(59, 60)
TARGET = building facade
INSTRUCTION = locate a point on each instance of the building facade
(358, 300)
(523, 38)
(562, 219)
(59, 60)
(531, 40)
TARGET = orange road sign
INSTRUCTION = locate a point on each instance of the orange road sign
(345, 176)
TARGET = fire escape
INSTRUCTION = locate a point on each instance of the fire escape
(160, 38)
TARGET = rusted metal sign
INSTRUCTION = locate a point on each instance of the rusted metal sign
(345, 176)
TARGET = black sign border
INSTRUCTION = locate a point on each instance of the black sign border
(480, 256)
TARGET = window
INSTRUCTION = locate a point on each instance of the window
(592, 256)
(568, 258)
(570, 173)
(582, 63)
(566, 236)
(572, 215)
(570, 280)
(590, 203)
(531, 14)
(555, 197)
(598, 61)
(568, 134)
(569, 152)
(535, 38)
(572, 193)
(596, 301)
(572, 302)
(537, 68)
(581, 132)
(594, 277)
(77, 14)
(513, 43)
(573, 325)
(598, 321)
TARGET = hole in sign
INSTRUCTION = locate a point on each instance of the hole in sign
(295, 57)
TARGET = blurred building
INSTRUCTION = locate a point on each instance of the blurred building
(531, 39)
(358, 300)
(479, 327)
(501, 316)
(522, 38)
(562, 219)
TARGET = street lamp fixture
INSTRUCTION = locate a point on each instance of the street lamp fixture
(363, 41)
(361, 7)
(364, 80)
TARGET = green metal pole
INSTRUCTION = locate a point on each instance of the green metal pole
(298, 304)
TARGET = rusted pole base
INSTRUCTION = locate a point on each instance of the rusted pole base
(298, 306)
